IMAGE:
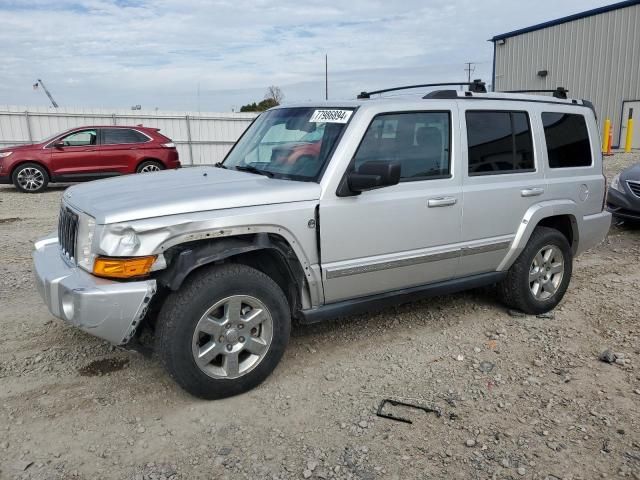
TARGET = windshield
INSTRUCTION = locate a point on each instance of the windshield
(293, 143)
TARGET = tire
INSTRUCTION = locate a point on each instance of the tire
(532, 284)
(187, 313)
(30, 178)
(149, 166)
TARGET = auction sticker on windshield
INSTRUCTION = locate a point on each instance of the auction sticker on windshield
(331, 116)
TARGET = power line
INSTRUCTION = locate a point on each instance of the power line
(470, 68)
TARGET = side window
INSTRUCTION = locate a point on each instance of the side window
(419, 141)
(114, 136)
(499, 142)
(80, 139)
(567, 140)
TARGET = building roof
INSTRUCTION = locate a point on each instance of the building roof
(570, 18)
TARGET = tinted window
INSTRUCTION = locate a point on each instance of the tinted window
(499, 142)
(112, 136)
(567, 140)
(419, 141)
(80, 139)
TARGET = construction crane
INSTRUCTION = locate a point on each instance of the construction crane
(41, 83)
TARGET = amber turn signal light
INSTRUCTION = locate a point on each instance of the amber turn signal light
(123, 267)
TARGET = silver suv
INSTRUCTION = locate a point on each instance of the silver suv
(329, 210)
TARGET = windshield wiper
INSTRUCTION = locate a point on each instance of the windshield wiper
(219, 165)
(252, 169)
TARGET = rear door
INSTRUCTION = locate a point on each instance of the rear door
(503, 177)
(122, 148)
(403, 235)
(77, 156)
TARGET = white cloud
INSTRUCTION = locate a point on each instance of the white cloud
(156, 53)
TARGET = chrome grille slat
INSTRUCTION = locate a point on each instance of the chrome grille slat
(635, 187)
(67, 231)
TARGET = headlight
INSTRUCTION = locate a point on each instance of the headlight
(84, 245)
(5, 154)
(615, 184)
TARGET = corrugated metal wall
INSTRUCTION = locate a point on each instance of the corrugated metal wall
(201, 138)
(596, 58)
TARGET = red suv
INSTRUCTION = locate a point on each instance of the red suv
(86, 153)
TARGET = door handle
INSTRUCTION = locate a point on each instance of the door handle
(442, 202)
(89, 150)
(531, 192)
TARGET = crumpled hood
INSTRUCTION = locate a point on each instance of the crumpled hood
(187, 190)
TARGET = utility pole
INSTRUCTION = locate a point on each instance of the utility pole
(40, 82)
(326, 78)
(469, 69)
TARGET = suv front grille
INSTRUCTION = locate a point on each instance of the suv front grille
(67, 231)
(635, 187)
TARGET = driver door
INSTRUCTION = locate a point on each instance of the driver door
(404, 235)
(77, 156)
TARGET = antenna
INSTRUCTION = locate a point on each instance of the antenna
(41, 83)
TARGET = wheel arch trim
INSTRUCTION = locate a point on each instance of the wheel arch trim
(191, 256)
(531, 219)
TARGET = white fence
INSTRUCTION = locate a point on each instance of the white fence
(201, 138)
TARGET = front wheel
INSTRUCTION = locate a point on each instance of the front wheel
(30, 178)
(539, 278)
(224, 331)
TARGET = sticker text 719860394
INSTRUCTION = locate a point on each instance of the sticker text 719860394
(331, 116)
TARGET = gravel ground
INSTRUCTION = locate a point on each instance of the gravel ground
(520, 396)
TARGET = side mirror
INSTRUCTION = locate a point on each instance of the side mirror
(58, 144)
(374, 174)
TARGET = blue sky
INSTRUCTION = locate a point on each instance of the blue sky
(161, 53)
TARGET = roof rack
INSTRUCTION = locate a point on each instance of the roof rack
(477, 86)
(558, 92)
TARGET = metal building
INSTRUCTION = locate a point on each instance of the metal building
(594, 54)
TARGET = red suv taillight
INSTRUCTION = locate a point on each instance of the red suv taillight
(169, 145)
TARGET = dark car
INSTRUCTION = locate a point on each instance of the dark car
(86, 153)
(623, 199)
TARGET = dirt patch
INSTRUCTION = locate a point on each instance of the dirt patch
(9, 220)
(103, 366)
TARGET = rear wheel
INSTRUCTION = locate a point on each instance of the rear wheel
(539, 278)
(224, 331)
(149, 166)
(30, 178)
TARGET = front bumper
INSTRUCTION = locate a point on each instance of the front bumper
(103, 308)
(623, 205)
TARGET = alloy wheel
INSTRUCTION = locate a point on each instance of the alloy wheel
(30, 178)
(546, 272)
(232, 337)
(152, 167)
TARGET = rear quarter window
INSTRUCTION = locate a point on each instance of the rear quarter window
(567, 140)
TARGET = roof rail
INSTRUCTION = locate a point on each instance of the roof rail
(558, 92)
(477, 86)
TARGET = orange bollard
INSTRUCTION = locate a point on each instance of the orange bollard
(609, 143)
